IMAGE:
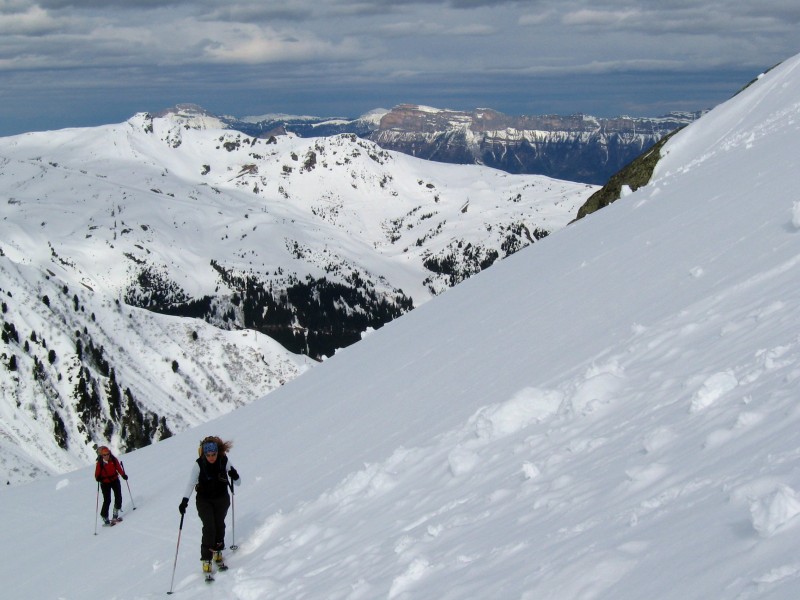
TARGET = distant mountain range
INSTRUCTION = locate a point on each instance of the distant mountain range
(159, 272)
(576, 147)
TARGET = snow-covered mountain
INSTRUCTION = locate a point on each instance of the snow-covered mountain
(573, 147)
(610, 413)
(311, 242)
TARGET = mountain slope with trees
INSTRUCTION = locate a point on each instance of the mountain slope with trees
(281, 250)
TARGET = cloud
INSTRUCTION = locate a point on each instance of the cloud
(368, 5)
(536, 19)
(472, 29)
(428, 28)
(125, 5)
(412, 28)
(253, 44)
(593, 18)
(723, 17)
(597, 67)
(32, 21)
(481, 3)
(257, 13)
(464, 52)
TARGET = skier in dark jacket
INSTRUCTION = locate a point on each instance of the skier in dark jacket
(210, 478)
(107, 472)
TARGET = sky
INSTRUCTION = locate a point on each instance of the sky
(608, 414)
(66, 63)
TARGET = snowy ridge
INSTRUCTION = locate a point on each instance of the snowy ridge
(609, 414)
(329, 188)
(573, 147)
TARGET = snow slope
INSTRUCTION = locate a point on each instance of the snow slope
(611, 413)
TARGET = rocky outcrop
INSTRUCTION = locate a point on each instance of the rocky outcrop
(633, 176)
(577, 147)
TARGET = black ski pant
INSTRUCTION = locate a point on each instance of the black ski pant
(212, 512)
(106, 488)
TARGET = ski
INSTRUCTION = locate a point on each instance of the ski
(109, 523)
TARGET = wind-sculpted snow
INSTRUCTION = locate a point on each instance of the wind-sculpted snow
(771, 513)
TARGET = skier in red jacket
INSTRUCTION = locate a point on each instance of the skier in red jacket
(107, 473)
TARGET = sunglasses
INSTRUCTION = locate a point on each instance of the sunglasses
(104, 454)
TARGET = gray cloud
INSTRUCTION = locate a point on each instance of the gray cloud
(314, 55)
(113, 5)
(249, 13)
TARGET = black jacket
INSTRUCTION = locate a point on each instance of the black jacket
(213, 479)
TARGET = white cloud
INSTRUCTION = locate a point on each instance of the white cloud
(589, 17)
(446, 47)
(536, 18)
(411, 28)
(472, 29)
(32, 22)
(254, 45)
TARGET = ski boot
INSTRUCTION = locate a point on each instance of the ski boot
(207, 572)
(220, 561)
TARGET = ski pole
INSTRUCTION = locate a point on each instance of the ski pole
(233, 519)
(129, 487)
(96, 507)
(129, 493)
(175, 564)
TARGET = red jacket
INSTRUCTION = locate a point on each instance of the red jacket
(106, 472)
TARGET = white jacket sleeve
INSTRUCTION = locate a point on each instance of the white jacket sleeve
(193, 479)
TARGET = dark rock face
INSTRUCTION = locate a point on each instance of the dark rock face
(574, 147)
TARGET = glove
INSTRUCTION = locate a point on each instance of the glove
(125, 477)
(234, 475)
(97, 479)
(184, 503)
